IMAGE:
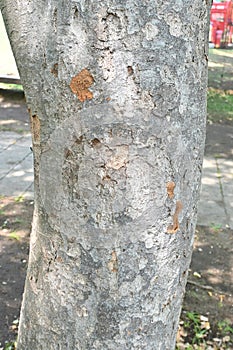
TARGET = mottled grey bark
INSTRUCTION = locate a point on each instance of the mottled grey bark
(116, 91)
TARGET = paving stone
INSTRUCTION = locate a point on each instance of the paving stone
(214, 207)
(16, 165)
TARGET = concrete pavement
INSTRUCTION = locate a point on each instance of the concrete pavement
(216, 202)
(16, 165)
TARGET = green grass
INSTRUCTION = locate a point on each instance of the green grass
(219, 105)
(10, 346)
(197, 333)
(225, 328)
(19, 199)
(5, 86)
(220, 81)
(14, 236)
(215, 53)
(216, 227)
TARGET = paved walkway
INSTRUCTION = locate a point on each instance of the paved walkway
(216, 203)
(16, 165)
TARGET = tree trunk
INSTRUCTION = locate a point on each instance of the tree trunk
(116, 92)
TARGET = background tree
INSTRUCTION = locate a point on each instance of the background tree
(116, 92)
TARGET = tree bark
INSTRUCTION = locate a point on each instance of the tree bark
(116, 92)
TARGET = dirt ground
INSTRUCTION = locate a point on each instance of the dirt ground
(209, 290)
(15, 226)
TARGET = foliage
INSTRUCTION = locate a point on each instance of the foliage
(196, 333)
(224, 327)
(199, 326)
(10, 346)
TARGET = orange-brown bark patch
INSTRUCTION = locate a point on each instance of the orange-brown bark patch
(170, 189)
(175, 226)
(80, 83)
(35, 127)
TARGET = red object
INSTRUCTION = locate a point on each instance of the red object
(221, 23)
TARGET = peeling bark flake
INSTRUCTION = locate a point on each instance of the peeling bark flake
(54, 70)
(119, 158)
(35, 128)
(80, 83)
(113, 263)
(174, 228)
(95, 143)
(170, 189)
(130, 70)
